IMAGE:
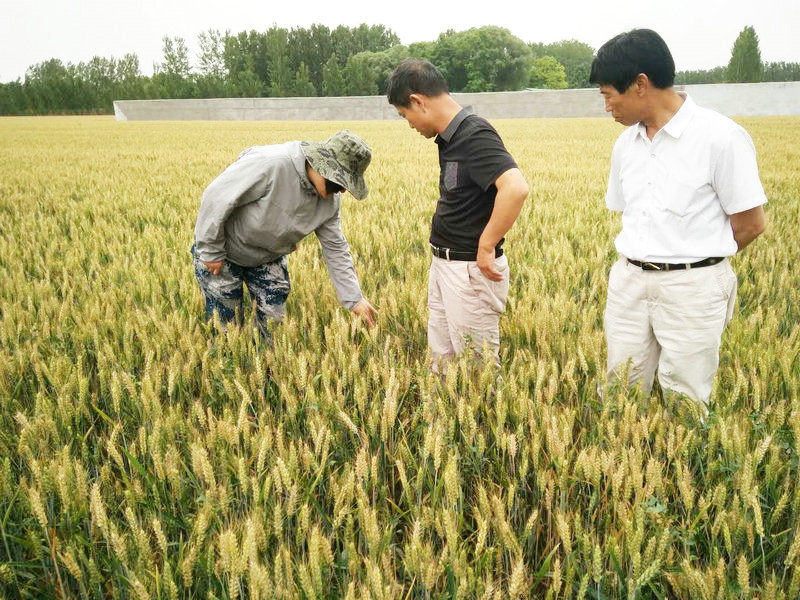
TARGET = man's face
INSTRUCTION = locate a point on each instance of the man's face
(417, 117)
(319, 185)
(623, 107)
(325, 188)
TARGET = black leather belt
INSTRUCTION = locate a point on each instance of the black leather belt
(651, 266)
(448, 254)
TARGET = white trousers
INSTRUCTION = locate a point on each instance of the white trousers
(464, 308)
(671, 321)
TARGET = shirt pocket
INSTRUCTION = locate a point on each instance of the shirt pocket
(680, 195)
(451, 175)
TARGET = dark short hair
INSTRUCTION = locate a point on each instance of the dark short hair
(414, 76)
(621, 59)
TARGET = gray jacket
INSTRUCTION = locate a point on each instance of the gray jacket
(262, 205)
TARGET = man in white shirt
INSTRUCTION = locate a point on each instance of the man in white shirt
(686, 181)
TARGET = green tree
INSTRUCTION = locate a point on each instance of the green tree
(176, 57)
(375, 38)
(211, 60)
(13, 100)
(359, 76)
(175, 71)
(50, 86)
(99, 77)
(548, 73)
(348, 41)
(379, 65)
(311, 47)
(423, 50)
(247, 52)
(447, 54)
(483, 59)
(715, 75)
(130, 81)
(745, 65)
(781, 71)
(333, 83)
(280, 75)
(248, 85)
(576, 57)
(235, 55)
(303, 87)
(385, 62)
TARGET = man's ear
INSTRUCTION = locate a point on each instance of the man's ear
(642, 83)
(418, 101)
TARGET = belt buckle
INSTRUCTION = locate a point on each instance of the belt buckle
(438, 252)
(651, 266)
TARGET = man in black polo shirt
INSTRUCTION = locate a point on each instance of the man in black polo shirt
(481, 194)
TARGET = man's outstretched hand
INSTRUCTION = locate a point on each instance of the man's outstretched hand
(366, 311)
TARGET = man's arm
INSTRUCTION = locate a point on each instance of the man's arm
(736, 181)
(748, 225)
(339, 261)
(512, 189)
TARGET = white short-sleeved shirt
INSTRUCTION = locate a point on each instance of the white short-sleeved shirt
(677, 191)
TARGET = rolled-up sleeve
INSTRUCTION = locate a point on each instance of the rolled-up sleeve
(336, 252)
(243, 182)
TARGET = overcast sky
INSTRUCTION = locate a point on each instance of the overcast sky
(700, 33)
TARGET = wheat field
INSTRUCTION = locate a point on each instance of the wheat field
(144, 453)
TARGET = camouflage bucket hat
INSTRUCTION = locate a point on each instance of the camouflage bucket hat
(342, 159)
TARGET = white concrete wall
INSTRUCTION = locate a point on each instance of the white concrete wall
(749, 99)
(735, 99)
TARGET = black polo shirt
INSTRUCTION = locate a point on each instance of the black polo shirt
(471, 158)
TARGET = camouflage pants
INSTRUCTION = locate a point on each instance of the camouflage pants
(267, 284)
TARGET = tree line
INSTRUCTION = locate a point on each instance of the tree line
(745, 66)
(345, 61)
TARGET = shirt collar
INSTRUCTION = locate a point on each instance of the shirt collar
(679, 121)
(450, 130)
(299, 162)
